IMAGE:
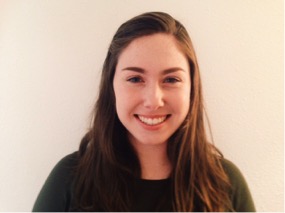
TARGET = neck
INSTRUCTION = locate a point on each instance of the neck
(155, 164)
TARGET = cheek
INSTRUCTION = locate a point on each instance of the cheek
(180, 96)
(181, 102)
(125, 99)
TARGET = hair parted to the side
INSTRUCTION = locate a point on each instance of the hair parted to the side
(107, 162)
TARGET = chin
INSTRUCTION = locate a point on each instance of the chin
(149, 141)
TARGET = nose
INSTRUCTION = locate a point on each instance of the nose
(153, 97)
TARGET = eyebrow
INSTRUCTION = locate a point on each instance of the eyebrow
(141, 70)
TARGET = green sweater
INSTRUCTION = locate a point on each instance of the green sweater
(150, 195)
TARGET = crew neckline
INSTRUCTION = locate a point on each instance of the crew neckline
(153, 181)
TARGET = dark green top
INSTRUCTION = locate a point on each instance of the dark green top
(150, 195)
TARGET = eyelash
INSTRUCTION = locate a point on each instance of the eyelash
(170, 80)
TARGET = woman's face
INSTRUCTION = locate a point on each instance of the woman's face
(152, 89)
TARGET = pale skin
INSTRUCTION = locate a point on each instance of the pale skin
(152, 90)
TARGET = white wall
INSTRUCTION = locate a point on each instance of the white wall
(51, 53)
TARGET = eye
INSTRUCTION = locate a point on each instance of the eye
(171, 80)
(135, 80)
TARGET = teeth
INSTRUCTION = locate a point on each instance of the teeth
(152, 121)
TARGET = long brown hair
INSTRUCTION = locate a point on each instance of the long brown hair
(107, 162)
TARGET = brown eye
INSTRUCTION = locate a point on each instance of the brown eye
(171, 80)
(135, 80)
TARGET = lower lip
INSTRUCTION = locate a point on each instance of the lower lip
(152, 127)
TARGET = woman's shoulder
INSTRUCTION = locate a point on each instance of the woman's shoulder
(68, 161)
(66, 165)
(240, 194)
(231, 169)
(56, 193)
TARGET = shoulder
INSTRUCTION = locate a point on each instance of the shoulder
(66, 164)
(64, 169)
(231, 170)
(56, 193)
(239, 192)
(62, 174)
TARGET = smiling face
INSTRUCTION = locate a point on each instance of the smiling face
(152, 89)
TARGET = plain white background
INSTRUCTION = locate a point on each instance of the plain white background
(51, 55)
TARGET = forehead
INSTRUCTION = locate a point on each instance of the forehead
(154, 51)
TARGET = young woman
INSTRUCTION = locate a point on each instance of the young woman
(147, 148)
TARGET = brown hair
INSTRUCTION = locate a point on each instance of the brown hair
(108, 163)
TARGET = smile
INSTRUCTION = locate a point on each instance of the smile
(152, 121)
